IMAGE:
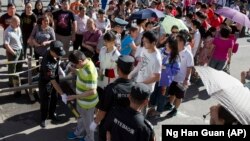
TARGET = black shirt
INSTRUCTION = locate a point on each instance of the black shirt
(126, 124)
(63, 22)
(27, 24)
(5, 20)
(48, 69)
(116, 94)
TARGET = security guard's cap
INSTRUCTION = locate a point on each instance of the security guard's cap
(120, 22)
(140, 91)
(57, 47)
(125, 63)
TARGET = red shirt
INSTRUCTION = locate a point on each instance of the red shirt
(215, 22)
(210, 14)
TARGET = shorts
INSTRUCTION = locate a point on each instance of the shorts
(174, 90)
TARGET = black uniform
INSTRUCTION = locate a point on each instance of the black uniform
(48, 72)
(126, 124)
(116, 95)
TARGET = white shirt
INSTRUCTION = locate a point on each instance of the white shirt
(150, 64)
(13, 37)
(197, 40)
(103, 26)
(108, 61)
(188, 47)
(187, 60)
(81, 23)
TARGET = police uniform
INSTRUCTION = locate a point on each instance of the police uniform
(117, 22)
(116, 93)
(127, 124)
(49, 71)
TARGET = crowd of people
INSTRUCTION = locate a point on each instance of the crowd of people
(121, 64)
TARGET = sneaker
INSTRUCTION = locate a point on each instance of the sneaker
(172, 113)
(43, 124)
(72, 136)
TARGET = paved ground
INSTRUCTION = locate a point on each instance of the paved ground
(19, 117)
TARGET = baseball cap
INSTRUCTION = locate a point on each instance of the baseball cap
(140, 91)
(57, 47)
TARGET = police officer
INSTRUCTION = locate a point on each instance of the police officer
(116, 94)
(129, 124)
(48, 82)
(118, 28)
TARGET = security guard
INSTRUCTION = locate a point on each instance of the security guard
(129, 124)
(116, 94)
(118, 28)
(48, 82)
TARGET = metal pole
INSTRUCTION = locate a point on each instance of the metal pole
(32, 98)
(34, 85)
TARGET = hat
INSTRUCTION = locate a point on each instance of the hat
(57, 47)
(125, 63)
(101, 11)
(140, 91)
(120, 22)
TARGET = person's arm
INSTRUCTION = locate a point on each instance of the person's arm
(197, 40)
(99, 116)
(229, 55)
(9, 49)
(154, 78)
(94, 44)
(243, 77)
(190, 63)
(188, 73)
(52, 37)
(56, 86)
(135, 70)
(85, 94)
(133, 47)
(6, 43)
(74, 28)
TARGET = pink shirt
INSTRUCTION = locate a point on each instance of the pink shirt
(221, 48)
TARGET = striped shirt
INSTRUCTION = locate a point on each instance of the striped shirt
(87, 80)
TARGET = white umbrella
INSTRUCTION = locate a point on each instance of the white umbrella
(229, 91)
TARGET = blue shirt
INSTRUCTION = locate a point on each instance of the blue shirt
(125, 46)
(169, 69)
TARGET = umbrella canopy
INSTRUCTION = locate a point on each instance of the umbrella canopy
(170, 21)
(234, 15)
(146, 14)
(229, 91)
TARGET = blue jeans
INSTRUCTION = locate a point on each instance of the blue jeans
(217, 64)
(157, 99)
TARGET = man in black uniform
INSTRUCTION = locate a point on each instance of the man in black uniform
(116, 94)
(48, 82)
(129, 124)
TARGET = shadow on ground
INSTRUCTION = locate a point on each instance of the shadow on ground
(25, 121)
